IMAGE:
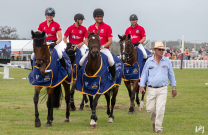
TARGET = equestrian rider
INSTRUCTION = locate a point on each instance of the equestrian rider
(76, 33)
(52, 29)
(105, 34)
(137, 33)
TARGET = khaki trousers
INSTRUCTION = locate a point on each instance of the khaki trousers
(155, 105)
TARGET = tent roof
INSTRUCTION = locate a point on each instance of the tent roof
(27, 45)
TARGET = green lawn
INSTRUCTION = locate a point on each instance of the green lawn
(183, 113)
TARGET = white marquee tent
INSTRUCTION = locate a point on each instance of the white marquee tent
(26, 45)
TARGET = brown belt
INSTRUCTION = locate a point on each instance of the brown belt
(155, 87)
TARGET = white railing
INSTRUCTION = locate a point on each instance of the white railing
(175, 63)
(190, 63)
(25, 64)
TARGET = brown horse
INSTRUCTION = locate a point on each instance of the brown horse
(129, 55)
(42, 60)
(92, 66)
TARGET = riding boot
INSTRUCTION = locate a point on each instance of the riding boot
(31, 62)
(62, 60)
(80, 67)
(112, 70)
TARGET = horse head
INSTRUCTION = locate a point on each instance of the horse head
(126, 47)
(94, 44)
(70, 52)
(41, 50)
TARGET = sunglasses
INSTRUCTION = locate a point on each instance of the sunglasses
(161, 49)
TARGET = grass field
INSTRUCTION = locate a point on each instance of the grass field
(183, 113)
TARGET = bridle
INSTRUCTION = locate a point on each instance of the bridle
(43, 59)
(128, 55)
(98, 47)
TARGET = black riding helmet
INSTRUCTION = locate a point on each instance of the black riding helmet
(79, 17)
(133, 17)
(98, 12)
(50, 11)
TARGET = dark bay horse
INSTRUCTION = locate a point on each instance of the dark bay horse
(129, 56)
(42, 61)
(91, 68)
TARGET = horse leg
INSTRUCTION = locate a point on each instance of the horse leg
(35, 99)
(113, 102)
(135, 86)
(91, 101)
(72, 106)
(128, 86)
(82, 103)
(50, 107)
(137, 97)
(67, 99)
(94, 118)
(107, 97)
(142, 101)
(86, 101)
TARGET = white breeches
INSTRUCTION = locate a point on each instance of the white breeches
(57, 47)
(83, 50)
(141, 47)
(106, 52)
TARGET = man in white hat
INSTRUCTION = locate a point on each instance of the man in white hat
(156, 72)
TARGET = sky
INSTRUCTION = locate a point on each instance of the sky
(161, 19)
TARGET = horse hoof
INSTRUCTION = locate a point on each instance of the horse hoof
(140, 109)
(81, 109)
(48, 125)
(92, 126)
(73, 109)
(37, 124)
(87, 105)
(130, 113)
(93, 123)
(110, 120)
(66, 120)
(138, 105)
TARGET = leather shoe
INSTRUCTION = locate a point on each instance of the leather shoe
(153, 126)
(159, 132)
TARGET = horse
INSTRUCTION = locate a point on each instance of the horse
(42, 62)
(130, 58)
(91, 68)
(76, 71)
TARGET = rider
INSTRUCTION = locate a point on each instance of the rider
(52, 29)
(105, 34)
(137, 33)
(76, 33)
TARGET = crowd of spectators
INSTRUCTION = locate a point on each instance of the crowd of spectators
(188, 53)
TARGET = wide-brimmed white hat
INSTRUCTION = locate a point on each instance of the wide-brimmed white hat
(158, 45)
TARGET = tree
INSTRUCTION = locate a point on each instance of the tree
(7, 32)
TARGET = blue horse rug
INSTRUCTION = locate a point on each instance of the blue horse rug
(99, 83)
(133, 72)
(54, 72)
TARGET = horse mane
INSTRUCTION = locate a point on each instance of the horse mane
(123, 38)
(92, 34)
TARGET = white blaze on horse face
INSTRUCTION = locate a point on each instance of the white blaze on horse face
(93, 37)
(123, 50)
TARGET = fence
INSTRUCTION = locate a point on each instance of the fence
(175, 63)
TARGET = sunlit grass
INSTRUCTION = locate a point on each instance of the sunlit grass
(183, 113)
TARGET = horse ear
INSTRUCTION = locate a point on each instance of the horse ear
(129, 36)
(88, 32)
(119, 36)
(97, 32)
(33, 34)
(43, 34)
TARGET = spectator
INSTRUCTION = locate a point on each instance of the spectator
(168, 49)
(184, 56)
(206, 48)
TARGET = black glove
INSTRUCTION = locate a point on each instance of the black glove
(52, 45)
(137, 43)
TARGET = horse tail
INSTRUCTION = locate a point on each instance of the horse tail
(57, 96)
